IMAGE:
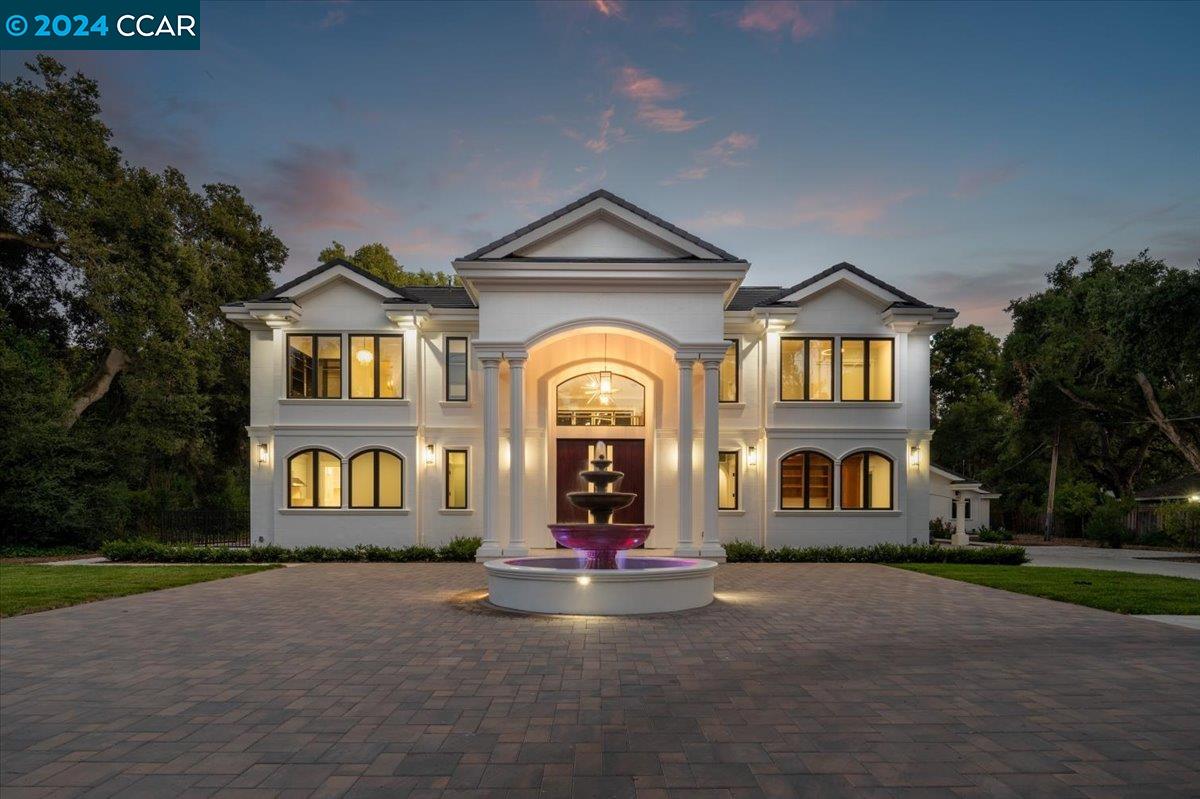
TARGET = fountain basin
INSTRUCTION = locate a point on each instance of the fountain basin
(599, 543)
(637, 585)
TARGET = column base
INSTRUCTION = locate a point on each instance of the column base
(687, 551)
(517, 551)
(488, 551)
(713, 551)
(960, 540)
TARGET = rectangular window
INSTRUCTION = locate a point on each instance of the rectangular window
(966, 508)
(377, 367)
(456, 369)
(727, 481)
(729, 373)
(805, 369)
(867, 369)
(314, 367)
(456, 479)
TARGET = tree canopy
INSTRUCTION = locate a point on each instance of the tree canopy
(377, 259)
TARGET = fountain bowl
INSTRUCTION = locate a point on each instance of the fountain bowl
(600, 543)
(565, 585)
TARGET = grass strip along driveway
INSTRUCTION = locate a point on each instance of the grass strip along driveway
(29, 588)
(1120, 592)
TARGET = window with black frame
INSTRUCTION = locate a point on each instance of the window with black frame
(314, 366)
(376, 480)
(727, 480)
(457, 386)
(867, 481)
(456, 479)
(314, 479)
(730, 373)
(806, 481)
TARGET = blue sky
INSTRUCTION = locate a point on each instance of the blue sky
(957, 150)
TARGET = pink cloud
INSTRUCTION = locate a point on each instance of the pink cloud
(600, 142)
(667, 120)
(799, 20)
(642, 87)
(610, 8)
(315, 188)
(722, 152)
(975, 182)
(846, 216)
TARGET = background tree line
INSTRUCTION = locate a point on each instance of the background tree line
(124, 391)
(122, 388)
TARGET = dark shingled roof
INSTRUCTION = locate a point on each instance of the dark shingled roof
(277, 293)
(748, 297)
(605, 195)
(1172, 489)
(439, 296)
(908, 300)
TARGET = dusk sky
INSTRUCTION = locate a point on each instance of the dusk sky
(956, 150)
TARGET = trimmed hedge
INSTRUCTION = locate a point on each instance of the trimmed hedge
(747, 552)
(146, 551)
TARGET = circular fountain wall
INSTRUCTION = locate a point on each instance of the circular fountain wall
(637, 585)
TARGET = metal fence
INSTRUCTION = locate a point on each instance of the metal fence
(198, 526)
(1144, 522)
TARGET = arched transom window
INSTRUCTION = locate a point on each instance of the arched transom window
(314, 479)
(376, 480)
(601, 399)
(806, 482)
(867, 481)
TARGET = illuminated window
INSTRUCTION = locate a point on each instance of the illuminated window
(728, 385)
(867, 368)
(376, 367)
(456, 479)
(594, 401)
(867, 481)
(456, 369)
(318, 376)
(806, 482)
(727, 480)
(805, 369)
(376, 480)
(314, 480)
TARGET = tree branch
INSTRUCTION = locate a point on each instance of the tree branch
(35, 244)
(1189, 450)
(115, 363)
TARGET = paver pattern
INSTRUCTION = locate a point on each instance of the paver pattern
(392, 680)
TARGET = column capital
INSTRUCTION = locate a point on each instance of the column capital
(489, 360)
(516, 359)
(685, 359)
(711, 362)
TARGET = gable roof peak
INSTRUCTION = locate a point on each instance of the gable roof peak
(281, 290)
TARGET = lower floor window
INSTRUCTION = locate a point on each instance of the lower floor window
(806, 481)
(727, 481)
(867, 481)
(376, 480)
(456, 479)
(314, 480)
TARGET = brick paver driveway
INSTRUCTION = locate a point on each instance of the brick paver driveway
(804, 680)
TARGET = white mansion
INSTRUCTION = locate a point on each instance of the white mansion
(398, 415)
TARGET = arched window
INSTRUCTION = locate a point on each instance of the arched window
(867, 481)
(314, 479)
(601, 399)
(806, 482)
(376, 480)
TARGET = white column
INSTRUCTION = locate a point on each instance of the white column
(491, 457)
(684, 545)
(960, 537)
(711, 546)
(516, 459)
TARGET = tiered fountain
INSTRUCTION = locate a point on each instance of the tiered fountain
(600, 580)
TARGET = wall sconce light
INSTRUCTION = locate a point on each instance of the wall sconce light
(914, 457)
(429, 456)
(751, 456)
(264, 454)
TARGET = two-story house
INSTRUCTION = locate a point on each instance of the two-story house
(391, 415)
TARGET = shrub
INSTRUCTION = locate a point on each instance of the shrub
(940, 528)
(1108, 522)
(993, 536)
(746, 552)
(148, 551)
(1181, 523)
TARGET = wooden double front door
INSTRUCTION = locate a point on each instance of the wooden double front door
(627, 454)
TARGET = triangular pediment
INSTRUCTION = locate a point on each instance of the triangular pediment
(331, 273)
(600, 227)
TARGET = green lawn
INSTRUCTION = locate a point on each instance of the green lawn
(1121, 592)
(30, 588)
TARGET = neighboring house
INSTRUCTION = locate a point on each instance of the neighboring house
(1178, 490)
(952, 494)
(784, 415)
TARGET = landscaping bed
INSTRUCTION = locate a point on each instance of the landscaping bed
(746, 552)
(1120, 592)
(458, 550)
(30, 588)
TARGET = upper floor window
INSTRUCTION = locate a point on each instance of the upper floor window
(867, 481)
(806, 481)
(456, 479)
(867, 368)
(805, 369)
(601, 399)
(376, 480)
(314, 366)
(376, 367)
(727, 480)
(456, 369)
(728, 384)
(314, 479)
